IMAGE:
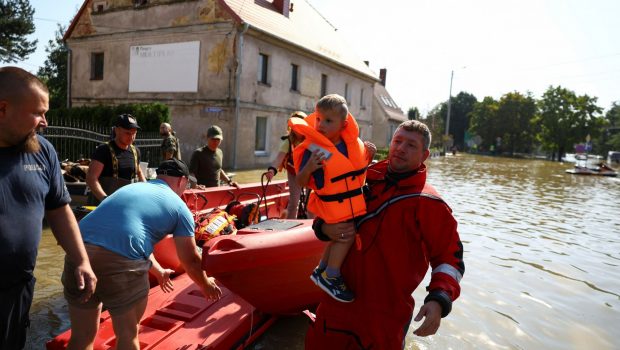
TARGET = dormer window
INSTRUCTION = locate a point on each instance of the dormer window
(100, 6)
(138, 3)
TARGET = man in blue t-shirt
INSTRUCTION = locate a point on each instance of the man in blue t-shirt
(31, 187)
(119, 236)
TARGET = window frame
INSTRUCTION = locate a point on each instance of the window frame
(265, 150)
(324, 78)
(263, 69)
(294, 77)
(97, 73)
(362, 105)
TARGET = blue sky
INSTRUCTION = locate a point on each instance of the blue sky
(493, 46)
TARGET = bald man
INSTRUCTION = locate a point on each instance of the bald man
(170, 147)
(32, 187)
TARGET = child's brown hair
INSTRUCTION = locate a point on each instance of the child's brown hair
(333, 102)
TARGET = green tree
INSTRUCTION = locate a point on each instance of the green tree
(460, 107)
(609, 138)
(15, 25)
(413, 113)
(483, 122)
(54, 70)
(565, 119)
(435, 122)
(515, 114)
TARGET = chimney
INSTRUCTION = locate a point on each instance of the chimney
(382, 75)
(282, 6)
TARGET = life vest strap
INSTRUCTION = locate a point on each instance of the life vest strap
(353, 173)
(339, 197)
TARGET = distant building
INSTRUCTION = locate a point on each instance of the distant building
(386, 115)
(243, 65)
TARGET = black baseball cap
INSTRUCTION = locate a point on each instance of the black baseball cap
(176, 168)
(127, 121)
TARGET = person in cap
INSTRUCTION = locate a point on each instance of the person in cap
(206, 162)
(116, 163)
(31, 188)
(170, 147)
(119, 237)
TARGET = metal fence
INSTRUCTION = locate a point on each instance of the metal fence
(77, 139)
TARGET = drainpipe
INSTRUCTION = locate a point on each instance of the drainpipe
(241, 31)
(69, 54)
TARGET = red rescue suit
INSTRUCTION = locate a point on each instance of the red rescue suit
(341, 197)
(407, 228)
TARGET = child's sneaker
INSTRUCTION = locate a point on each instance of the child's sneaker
(316, 273)
(335, 287)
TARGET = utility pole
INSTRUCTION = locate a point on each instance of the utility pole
(448, 117)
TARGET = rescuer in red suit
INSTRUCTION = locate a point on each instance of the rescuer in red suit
(407, 228)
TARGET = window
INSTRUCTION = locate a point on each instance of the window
(294, 77)
(260, 141)
(263, 69)
(323, 85)
(96, 66)
(346, 93)
(99, 6)
(362, 99)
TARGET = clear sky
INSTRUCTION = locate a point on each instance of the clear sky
(493, 46)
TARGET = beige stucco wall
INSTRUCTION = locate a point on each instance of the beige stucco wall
(214, 103)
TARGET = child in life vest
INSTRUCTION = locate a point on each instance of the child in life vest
(332, 161)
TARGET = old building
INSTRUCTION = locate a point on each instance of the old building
(386, 115)
(243, 65)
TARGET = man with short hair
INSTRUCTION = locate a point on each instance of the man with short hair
(31, 187)
(206, 162)
(406, 229)
(170, 147)
(115, 163)
(119, 237)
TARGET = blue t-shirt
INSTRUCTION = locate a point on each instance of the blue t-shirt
(319, 174)
(30, 183)
(135, 217)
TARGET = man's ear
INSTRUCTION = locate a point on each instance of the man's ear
(344, 124)
(425, 155)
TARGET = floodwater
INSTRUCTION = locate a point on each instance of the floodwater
(542, 255)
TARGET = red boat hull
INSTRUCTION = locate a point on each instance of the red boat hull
(184, 319)
(268, 266)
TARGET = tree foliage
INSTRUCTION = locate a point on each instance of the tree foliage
(609, 138)
(148, 115)
(435, 122)
(483, 121)
(54, 70)
(413, 114)
(515, 113)
(566, 119)
(460, 108)
(15, 25)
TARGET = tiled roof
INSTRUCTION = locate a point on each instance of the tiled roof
(304, 27)
(388, 104)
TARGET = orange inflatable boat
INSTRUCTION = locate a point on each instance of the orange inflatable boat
(268, 264)
(263, 272)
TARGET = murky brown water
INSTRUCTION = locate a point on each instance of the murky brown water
(542, 251)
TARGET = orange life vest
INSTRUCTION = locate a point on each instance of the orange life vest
(341, 197)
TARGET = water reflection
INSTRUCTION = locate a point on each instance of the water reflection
(542, 250)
